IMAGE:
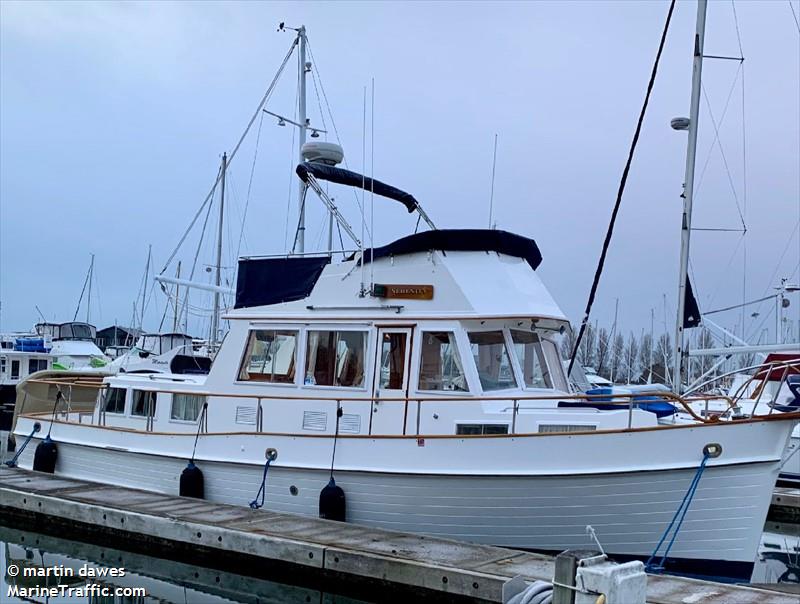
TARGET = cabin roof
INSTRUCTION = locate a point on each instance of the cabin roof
(476, 274)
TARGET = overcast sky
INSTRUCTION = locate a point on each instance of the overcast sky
(113, 118)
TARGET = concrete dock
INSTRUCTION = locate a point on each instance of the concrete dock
(260, 543)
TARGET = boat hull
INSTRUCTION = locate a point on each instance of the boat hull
(629, 510)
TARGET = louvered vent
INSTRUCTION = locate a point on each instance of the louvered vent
(565, 428)
(350, 423)
(315, 420)
(246, 415)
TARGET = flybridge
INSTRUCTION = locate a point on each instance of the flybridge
(265, 281)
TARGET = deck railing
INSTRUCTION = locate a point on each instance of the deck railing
(516, 403)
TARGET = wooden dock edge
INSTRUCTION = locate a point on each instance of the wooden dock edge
(248, 541)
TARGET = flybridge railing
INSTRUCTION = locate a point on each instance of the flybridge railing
(515, 403)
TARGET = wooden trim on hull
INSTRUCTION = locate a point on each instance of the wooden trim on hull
(791, 417)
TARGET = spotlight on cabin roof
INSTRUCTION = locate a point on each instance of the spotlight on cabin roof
(321, 152)
(679, 123)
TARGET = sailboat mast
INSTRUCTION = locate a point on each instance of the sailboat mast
(688, 192)
(89, 286)
(301, 111)
(177, 299)
(144, 285)
(218, 280)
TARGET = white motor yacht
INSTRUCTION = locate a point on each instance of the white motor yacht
(456, 419)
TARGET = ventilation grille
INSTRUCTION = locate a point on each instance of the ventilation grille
(246, 415)
(315, 420)
(350, 423)
(566, 428)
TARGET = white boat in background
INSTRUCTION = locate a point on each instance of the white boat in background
(72, 345)
(21, 355)
(162, 353)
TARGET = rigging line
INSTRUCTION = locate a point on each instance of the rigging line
(738, 32)
(724, 158)
(185, 305)
(319, 100)
(250, 185)
(330, 113)
(623, 180)
(722, 119)
(83, 290)
(719, 230)
(735, 306)
(794, 14)
(232, 154)
(780, 260)
(724, 274)
(291, 174)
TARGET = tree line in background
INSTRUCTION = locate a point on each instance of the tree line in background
(639, 360)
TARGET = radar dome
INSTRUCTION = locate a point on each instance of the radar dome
(329, 154)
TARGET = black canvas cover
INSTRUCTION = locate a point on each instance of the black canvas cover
(462, 240)
(691, 311)
(353, 179)
(263, 281)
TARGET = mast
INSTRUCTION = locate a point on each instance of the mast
(218, 280)
(688, 192)
(301, 109)
(89, 293)
(177, 299)
(144, 285)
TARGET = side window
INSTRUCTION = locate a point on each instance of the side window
(557, 373)
(336, 358)
(115, 400)
(528, 348)
(144, 403)
(492, 360)
(35, 365)
(440, 366)
(2, 364)
(270, 357)
(187, 407)
(14, 369)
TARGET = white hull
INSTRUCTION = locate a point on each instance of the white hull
(548, 510)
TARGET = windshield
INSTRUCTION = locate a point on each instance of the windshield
(528, 349)
(492, 360)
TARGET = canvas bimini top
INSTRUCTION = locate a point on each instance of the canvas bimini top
(466, 272)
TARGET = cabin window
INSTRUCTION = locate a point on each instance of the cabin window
(557, 373)
(528, 348)
(476, 429)
(2, 364)
(35, 365)
(492, 360)
(114, 400)
(393, 361)
(187, 407)
(440, 366)
(270, 356)
(14, 369)
(144, 403)
(336, 358)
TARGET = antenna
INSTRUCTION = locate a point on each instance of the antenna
(363, 185)
(372, 191)
(491, 191)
